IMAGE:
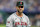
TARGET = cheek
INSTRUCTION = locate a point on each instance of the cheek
(17, 8)
(22, 8)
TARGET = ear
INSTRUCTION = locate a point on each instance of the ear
(16, 7)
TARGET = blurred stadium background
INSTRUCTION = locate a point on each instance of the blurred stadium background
(31, 9)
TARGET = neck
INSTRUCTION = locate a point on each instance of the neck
(19, 14)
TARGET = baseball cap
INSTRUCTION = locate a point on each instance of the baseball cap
(20, 3)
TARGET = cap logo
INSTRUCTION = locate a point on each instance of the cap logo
(20, 2)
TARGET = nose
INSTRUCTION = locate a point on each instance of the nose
(20, 8)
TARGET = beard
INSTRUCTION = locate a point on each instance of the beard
(19, 11)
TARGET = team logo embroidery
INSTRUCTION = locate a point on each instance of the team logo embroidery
(22, 23)
(20, 2)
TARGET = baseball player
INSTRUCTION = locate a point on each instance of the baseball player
(18, 19)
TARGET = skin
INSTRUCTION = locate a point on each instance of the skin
(19, 11)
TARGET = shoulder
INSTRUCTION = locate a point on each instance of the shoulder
(26, 16)
(11, 16)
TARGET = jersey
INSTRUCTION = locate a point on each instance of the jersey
(16, 21)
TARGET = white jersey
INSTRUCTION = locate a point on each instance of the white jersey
(16, 21)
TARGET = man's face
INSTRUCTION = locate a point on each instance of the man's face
(20, 8)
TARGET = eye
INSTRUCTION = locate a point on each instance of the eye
(20, 6)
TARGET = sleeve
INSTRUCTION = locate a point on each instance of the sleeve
(29, 23)
(9, 22)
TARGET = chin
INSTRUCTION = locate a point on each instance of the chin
(21, 12)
